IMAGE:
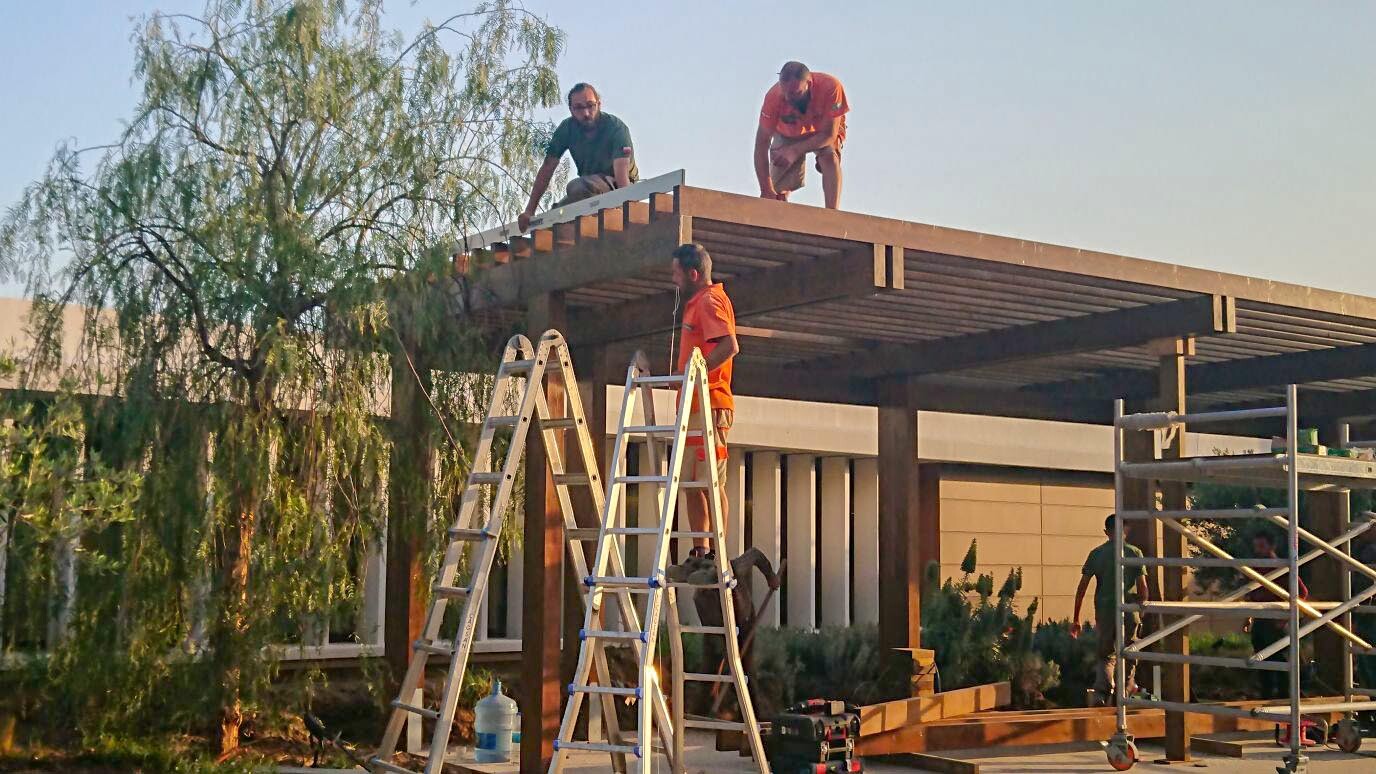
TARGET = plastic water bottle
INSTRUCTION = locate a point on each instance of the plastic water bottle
(494, 718)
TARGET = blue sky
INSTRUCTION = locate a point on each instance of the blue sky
(1228, 135)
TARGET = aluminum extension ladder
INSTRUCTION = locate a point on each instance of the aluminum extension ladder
(653, 583)
(521, 373)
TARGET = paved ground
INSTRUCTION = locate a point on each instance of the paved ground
(1261, 757)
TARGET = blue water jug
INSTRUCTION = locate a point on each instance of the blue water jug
(494, 720)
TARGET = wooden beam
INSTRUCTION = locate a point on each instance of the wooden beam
(1318, 365)
(410, 475)
(859, 273)
(614, 256)
(1021, 253)
(1328, 516)
(543, 569)
(900, 613)
(1218, 747)
(1016, 729)
(891, 715)
(1134, 326)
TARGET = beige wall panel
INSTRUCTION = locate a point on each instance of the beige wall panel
(954, 489)
(991, 516)
(1068, 551)
(1061, 579)
(993, 549)
(1074, 520)
(1065, 494)
(1059, 608)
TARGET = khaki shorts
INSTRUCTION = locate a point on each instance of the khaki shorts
(722, 419)
(789, 179)
(586, 187)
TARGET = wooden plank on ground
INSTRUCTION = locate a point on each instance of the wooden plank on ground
(929, 762)
(993, 729)
(1216, 746)
(891, 715)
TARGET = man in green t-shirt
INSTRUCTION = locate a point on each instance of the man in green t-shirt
(601, 148)
(1099, 566)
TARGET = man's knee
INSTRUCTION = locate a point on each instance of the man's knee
(578, 188)
(828, 158)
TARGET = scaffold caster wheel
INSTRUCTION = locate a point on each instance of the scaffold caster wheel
(1122, 752)
(1347, 736)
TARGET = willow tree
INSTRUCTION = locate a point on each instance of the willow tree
(288, 169)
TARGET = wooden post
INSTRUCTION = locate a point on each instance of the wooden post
(411, 469)
(900, 573)
(1328, 516)
(1175, 683)
(543, 568)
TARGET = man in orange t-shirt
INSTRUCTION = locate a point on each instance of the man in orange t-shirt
(709, 324)
(805, 112)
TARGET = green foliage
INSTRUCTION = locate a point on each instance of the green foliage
(242, 258)
(833, 663)
(980, 637)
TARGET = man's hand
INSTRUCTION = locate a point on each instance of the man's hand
(523, 221)
(770, 193)
(1247, 626)
(1075, 630)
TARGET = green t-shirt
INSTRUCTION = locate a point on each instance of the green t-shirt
(593, 154)
(1099, 565)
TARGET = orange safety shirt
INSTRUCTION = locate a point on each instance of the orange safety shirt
(826, 100)
(709, 317)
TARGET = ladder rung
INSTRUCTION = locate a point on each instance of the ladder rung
(660, 480)
(456, 533)
(633, 530)
(518, 366)
(651, 429)
(625, 749)
(604, 690)
(704, 677)
(510, 421)
(613, 581)
(571, 479)
(644, 381)
(713, 725)
(678, 534)
(607, 634)
(423, 712)
(450, 592)
(379, 764)
(686, 585)
(484, 478)
(721, 630)
(558, 423)
(582, 533)
(432, 648)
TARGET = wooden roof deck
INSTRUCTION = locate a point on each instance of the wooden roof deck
(832, 304)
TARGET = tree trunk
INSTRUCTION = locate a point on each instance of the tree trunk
(251, 455)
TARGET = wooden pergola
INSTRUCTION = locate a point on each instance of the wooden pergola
(842, 307)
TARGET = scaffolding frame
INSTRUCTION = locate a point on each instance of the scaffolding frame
(1292, 472)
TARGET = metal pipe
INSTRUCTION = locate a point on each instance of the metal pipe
(1120, 632)
(1342, 706)
(1221, 661)
(1202, 709)
(1309, 628)
(1160, 420)
(1193, 561)
(1239, 593)
(1323, 545)
(1292, 445)
(1207, 513)
(1307, 608)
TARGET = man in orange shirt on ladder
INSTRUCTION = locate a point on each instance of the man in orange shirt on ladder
(709, 324)
(805, 112)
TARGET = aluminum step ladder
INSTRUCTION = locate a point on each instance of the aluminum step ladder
(518, 397)
(653, 582)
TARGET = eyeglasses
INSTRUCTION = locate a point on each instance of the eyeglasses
(584, 106)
